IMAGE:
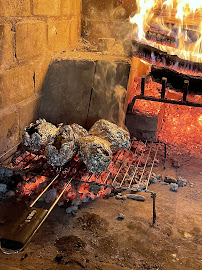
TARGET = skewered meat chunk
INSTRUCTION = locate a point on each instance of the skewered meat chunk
(58, 157)
(36, 136)
(95, 153)
(79, 131)
(63, 148)
(118, 137)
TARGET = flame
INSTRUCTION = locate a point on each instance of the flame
(179, 19)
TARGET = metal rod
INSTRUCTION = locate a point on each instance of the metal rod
(185, 90)
(150, 172)
(124, 164)
(41, 194)
(163, 90)
(145, 165)
(143, 85)
(9, 151)
(165, 156)
(175, 102)
(153, 195)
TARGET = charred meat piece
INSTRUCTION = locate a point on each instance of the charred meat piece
(63, 148)
(95, 153)
(118, 137)
(79, 131)
(36, 136)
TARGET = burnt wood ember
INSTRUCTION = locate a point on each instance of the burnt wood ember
(176, 79)
(79, 132)
(95, 153)
(36, 136)
(154, 35)
(118, 137)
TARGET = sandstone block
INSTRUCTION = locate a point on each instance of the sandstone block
(67, 7)
(28, 111)
(16, 84)
(14, 7)
(6, 45)
(9, 126)
(46, 7)
(40, 69)
(74, 31)
(58, 35)
(30, 39)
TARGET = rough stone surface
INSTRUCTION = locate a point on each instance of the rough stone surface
(28, 111)
(46, 7)
(120, 216)
(14, 8)
(33, 35)
(108, 95)
(58, 34)
(66, 91)
(6, 48)
(16, 85)
(69, 7)
(181, 182)
(9, 126)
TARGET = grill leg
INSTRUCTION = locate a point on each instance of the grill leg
(153, 195)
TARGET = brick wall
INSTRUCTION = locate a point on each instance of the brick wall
(31, 33)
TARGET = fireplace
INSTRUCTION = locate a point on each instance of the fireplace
(78, 62)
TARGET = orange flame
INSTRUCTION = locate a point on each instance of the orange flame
(180, 19)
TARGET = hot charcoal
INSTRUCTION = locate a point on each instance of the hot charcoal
(95, 153)
(118, 137)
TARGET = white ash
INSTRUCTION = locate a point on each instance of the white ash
(36, 136)
(118, 137)
(95, 153)
(174, 187)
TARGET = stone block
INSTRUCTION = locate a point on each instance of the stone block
(6, 46)
(74, 31)
(46, 7)
(28, 111)
(30, 39)
(14, 8)
(70, 7)
(40, 70)
(109, 92)
(58, 35)
(67, 90)
(9, 126)
(16, 84)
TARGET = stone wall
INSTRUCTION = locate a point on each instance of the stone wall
(31, 33)
(107, 19)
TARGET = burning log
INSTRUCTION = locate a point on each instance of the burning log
(118, 137)
(95, 153)
(176, 79)
(36, 136)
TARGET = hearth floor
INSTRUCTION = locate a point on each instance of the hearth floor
(95, 239)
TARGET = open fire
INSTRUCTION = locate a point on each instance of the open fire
(173, 26)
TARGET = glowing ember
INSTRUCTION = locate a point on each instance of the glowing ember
(182, 125)
(178, 19)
